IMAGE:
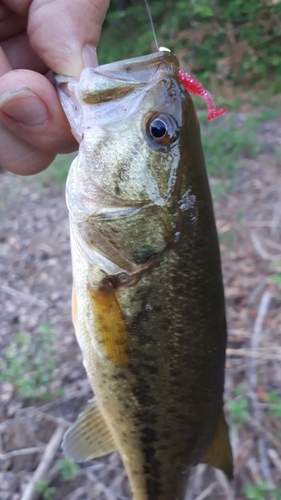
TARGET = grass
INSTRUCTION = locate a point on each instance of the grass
(47, 492)
(226, 142)
(57, 172)
(277, 154)
(227, 239)
(274, 400)
(231, 140)
(276, 277)
(239, 410)
(29, 363)
(239, 406)
(68, 468)
(261, 490)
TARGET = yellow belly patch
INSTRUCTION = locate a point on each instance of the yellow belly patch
(111, 326)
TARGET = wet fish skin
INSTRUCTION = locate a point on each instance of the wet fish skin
(148, 302)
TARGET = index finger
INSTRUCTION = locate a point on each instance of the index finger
(60, 29)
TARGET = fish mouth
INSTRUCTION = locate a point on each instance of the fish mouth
(111, 82)
(125, 74)
(115, 80)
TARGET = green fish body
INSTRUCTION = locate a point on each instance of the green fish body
(148, 300)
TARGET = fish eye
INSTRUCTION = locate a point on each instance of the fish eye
(162, 129)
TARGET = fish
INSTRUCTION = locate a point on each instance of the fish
(148, 299)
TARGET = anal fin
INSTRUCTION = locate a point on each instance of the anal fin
(89, 437)
(219, 453)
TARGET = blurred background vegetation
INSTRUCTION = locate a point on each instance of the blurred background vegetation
(217, 40)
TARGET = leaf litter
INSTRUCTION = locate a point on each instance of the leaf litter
(35, 288)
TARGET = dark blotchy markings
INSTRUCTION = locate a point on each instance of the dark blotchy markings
(147, 416)
(166, 434)
(143, 253)
(153, 479)
(149, 436)
(154, 488)
(146, 400)
(144, 340)
(119, 376)
(175, 373)
(151, 369)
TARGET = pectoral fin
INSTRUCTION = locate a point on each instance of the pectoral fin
(219, 453)
(111, 326)
(89, 437)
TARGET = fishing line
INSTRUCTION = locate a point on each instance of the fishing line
(152, 25)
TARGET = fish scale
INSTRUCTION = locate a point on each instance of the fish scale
(148, 300)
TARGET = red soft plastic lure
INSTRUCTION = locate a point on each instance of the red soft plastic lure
(195, 87)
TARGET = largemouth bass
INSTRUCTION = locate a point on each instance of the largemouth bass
(148, 301)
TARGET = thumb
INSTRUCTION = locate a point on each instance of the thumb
(60, 29)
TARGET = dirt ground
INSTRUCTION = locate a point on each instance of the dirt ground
(35, 287)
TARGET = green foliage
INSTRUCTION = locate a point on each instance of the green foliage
(239, 406)
(235, 40)
(277, 154)
(68, 468)
(228, 238)
(239, 410)
(225, 142)
(274, 399)
(57, 172)
(258, 492)
(30, 362)
(276, 278)
(47, 493)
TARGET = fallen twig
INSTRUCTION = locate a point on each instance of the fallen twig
(273, 353)
(276, 218)
(22, 451)
(207, 491)
(239, 333)
(252, 465)
(255, 341)
(260, 249)
(273, 455)
(23, 296)
(262, 312)
(72, 395)
(273, 244)
(264, 463)
(45, 463)
(198, 477)
(271, 437)
(259, 223)
(224, 484)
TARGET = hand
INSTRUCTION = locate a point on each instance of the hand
(35, 36)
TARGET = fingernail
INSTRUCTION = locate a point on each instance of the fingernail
(24, 107)
(89, 55)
